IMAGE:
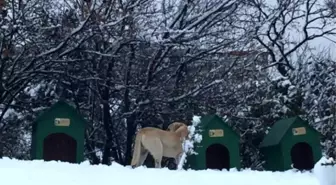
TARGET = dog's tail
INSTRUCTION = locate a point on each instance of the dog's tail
(136, 151)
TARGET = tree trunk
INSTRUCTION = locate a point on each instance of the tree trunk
(107, 120)
(108, 132)
(127, 107)
(130, 133)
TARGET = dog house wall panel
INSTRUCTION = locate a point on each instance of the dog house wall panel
(284, 134)
(289, 141)
(45, 126)
(230, 140)
(273, 158)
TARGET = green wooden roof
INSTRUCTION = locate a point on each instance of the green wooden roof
(207, 119)
(279, 130)
(64, 105)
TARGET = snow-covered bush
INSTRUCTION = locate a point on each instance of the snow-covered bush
(188, 145)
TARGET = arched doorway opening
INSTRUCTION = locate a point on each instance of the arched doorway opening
(59, 147)
(217, 157)
(302, 156)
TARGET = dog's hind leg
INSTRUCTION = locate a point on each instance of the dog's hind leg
(155, 148)
(143, 157)
(157, 155)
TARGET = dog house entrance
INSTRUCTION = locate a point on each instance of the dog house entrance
(302, 156)
(217, 157)
(59, 147)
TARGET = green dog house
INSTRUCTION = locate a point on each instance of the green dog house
(291, 141)
(219, 148)
(58, 134)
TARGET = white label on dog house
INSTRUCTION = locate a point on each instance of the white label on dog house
(62, 122)
(299, 131)
(216, 133)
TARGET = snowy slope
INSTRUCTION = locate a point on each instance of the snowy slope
(15, 172)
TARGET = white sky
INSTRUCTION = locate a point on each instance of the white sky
(320, 44)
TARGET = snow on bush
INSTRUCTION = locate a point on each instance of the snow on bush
(325, 171)
(188, 144)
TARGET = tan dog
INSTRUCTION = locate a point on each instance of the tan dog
(159, 143)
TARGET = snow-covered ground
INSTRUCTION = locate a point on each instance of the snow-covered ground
(15, 172)
(38, 172)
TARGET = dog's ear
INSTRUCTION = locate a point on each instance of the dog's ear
(183, 130)
(171, 127)
(174, 126)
